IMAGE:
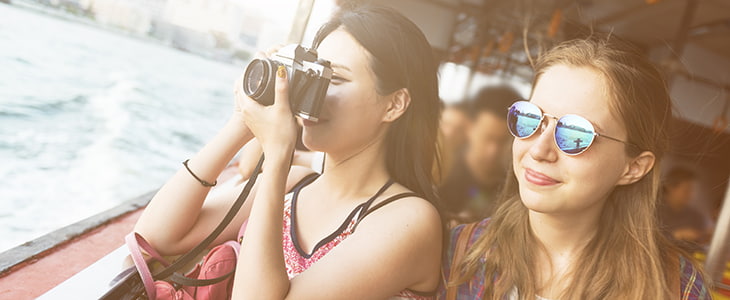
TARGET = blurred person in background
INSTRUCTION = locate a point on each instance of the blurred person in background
(676, 215)
(470, 188)
(454, 124)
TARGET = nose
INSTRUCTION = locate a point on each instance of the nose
(542, 146)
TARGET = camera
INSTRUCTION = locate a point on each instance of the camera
(308, 78)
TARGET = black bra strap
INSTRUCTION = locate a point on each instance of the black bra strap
(358, 210)
(385, 202)
(366, 204)
(305, 181)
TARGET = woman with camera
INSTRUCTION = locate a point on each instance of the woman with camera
(367, 227)
(578, 216)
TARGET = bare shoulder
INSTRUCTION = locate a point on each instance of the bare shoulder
(409, 234)
(418, 205)
(412, 213)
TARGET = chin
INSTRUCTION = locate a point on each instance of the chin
(538, 201)
(312, 145)
(313, 142)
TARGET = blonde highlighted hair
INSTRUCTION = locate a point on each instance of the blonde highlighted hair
(628, 258)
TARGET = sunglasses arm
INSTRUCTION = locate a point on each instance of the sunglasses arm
(615, 139)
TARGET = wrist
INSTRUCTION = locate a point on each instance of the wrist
(237, 127)
(279, 156)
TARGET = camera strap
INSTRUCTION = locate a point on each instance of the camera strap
(192, 254)
(128, 284)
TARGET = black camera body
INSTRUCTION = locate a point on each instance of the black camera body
(308, 78)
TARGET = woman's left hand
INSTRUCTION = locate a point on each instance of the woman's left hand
(274, 126)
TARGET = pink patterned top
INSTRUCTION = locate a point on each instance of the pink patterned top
(297, 260)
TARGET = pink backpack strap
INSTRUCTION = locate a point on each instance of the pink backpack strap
(235, 245)
(136, 243)
(241, 231)
(141, 243)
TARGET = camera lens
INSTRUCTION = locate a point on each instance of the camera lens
(258, 80)
(256, 77)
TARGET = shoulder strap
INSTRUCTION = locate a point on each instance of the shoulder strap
(385, 202)
(460, 247)
(305, 181)
(366, 205)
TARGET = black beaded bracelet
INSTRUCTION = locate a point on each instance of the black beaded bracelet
(203, 182)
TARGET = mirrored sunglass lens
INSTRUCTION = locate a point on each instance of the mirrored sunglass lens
(573, 134)
(523, 118)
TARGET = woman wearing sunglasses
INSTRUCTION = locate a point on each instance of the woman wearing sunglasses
(578, 214)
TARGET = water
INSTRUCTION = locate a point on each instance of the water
(90, 118)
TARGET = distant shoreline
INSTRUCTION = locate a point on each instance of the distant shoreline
(66, 16)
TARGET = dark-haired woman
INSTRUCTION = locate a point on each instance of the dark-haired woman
(579, 216)
(368, 226)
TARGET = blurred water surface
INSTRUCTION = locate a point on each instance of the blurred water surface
(90, 118)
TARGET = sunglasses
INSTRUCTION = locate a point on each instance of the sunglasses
(573, 133)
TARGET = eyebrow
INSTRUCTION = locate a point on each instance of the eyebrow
(339, 66)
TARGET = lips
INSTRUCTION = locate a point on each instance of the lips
(308, 123)
(538, 178)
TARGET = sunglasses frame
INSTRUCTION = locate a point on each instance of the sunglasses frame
(555, 131)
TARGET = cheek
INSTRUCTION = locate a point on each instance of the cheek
(333, 100)
(519, 148)
(592, 174)
(348, 109)
(348, 98)
(517, 154)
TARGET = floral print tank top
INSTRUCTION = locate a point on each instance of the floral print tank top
(297, 260)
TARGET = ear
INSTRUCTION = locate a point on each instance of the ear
(398, 104)
(637, 168)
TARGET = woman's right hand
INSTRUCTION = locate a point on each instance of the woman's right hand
(238, 97)
(238, 87)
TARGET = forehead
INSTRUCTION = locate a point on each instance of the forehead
(489, 121)
(562, 90)
(341, 48)
(451, 112)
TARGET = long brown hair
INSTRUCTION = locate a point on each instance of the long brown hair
(628, 258)
(400, 57)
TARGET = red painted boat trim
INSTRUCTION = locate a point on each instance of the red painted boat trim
(36, 276)
(41, 272)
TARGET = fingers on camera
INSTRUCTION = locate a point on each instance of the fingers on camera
(237, 85)
(273, 50)
(261, 55)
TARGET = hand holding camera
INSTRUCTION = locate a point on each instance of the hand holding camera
(294, 81)
(307, 75)
(274, 125)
